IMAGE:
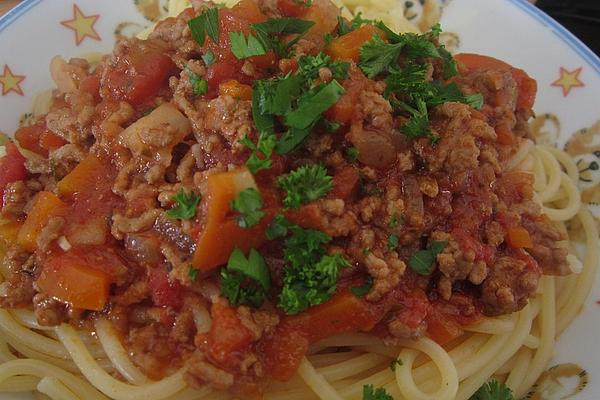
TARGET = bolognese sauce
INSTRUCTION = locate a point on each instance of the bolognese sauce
(251, 180)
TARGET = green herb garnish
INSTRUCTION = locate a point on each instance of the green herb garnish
(424, 261)
(249, 204)
(205, 23)
(186, 206)
(245, 280)
(304, 185)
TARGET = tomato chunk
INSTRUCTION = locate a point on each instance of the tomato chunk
(164, 291)
(12, 168)
(228, 338)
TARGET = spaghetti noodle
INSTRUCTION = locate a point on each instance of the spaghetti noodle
(66, 363)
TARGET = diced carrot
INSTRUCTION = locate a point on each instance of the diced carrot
(441, 328)
(236, 90)
(345, 183)
(45, 206)
(9, 231)
(82, 177)
(347, 47)
(284, 348)
(527, 87)
(70, 279)
(221, 233)
(519, 238)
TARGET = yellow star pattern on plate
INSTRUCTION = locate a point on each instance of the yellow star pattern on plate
(82, 25)
(568, 80)
(11, 82)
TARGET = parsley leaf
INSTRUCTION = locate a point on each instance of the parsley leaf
(395, 363)
(305, 184)
(309, 66)
(199, 85)
(423, 261)
(192, 273)
(243, 48)
(356, 22)
(493, 391)
(209, 57)
(362, 291)
(207, 22)
(418, 125)
(352, 153)
(370, 393)
(377, 56)
(186, 206)
(284, 25)
(314, 103)
(249, 204)
(392, 241)
(245, 280)
(279, 228)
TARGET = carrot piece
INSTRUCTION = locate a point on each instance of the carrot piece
(70, 279)
(347, 47)
(83, 176)
(45, 206)
(9, 231)
(236, 90)
(221, 234)
(519, 238)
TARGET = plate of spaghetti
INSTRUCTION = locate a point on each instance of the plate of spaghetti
(297, 199)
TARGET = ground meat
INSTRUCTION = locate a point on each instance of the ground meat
(508, 286)
(549, 246)
(456, 265)
(200, 373)
(171, 231)
(122, 225)
(494, 233)
(135, 293)
(50, 232)
(17, 291)
(257, 321)
(15, 198)
(230, 117)
(336, 221)
(49, 311)
(66, 158)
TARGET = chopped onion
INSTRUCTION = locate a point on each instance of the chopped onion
(64, 244)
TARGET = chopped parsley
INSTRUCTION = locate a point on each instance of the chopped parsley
(268, 33)
(310, 275)
(424, 261)
(199, 85)
(249, 204)
(363, 290)
(209, 57)
(493, 391)
(392, 241)
(245, 280)
(370, 393)
(408, 88)
(304, 185)
(395, 363)
(312, 104)
(186, 206)
(243, 47)
(192, 273)
(297, 100)
(352, 153)
(205, 23)
(344, 27)
(395, 221)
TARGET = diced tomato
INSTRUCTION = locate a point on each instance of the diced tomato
(345, 183)
(138, 77)
(228, 338)
(292, 8)
(71, 279)
(12, 168)
(39, 139)
(527, 87)
(519, 238)
(347, 47)
(236, 90)
(91, 85)
(504, 134)
(165, 292)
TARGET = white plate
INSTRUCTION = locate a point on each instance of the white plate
(568, 76)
